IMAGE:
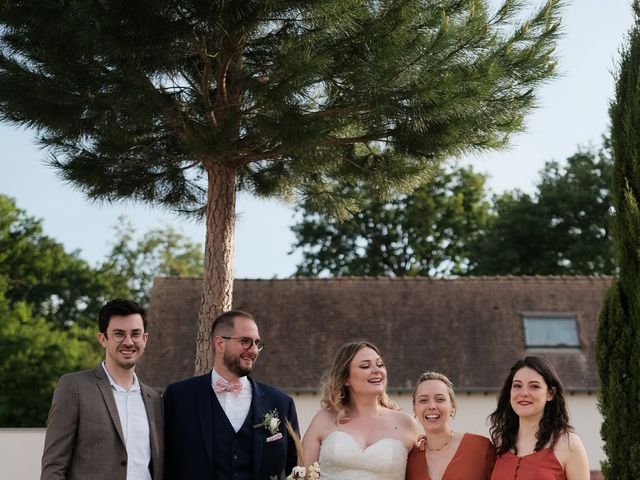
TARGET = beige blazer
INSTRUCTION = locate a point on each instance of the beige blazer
(84, 439)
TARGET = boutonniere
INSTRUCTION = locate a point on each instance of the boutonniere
(270, 421)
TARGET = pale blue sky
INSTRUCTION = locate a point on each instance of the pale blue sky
(572, 111)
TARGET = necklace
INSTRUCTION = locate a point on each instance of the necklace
(439, 448)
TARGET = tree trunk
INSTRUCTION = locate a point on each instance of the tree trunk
(217, 285)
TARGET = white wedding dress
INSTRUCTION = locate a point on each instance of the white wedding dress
(342, 458)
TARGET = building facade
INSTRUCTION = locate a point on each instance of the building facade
(471, 329)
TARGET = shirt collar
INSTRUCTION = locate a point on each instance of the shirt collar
(135, 386)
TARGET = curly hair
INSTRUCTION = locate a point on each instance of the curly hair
(335, 394)
(555, 419)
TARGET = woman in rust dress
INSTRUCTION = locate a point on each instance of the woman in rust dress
(444, 454)
(531, 430)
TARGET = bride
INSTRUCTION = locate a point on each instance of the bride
(359, 434)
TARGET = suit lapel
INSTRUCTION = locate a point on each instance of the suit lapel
(107, 394)
(259, 408)
(203, 400)
(151, 416)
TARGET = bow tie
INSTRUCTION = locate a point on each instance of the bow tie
(223, 385)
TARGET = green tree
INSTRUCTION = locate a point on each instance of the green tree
(562, 229)
(618, 343)
(182, 103)
(133, 264)
(33, 355)
(63, 288)
(58, 286)
(422, 234)
(49, 302)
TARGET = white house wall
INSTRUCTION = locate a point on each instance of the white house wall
(21, 449)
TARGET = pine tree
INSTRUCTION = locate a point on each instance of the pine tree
(181, 104)
(618, 351)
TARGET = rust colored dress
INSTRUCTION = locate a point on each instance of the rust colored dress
(473, 460)
(540, 465)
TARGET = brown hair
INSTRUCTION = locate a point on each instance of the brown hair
(226, 321)
(335, 394)
(555, 419)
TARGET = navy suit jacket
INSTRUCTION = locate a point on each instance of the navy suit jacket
(189, 430)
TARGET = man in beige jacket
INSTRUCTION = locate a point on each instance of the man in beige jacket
(103, 423)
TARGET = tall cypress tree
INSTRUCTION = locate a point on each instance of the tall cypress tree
(618, 352)
(181, 103)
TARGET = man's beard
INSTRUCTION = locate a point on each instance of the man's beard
(126, 365)
(233, 365)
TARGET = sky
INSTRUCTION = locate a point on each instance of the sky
(572, 112)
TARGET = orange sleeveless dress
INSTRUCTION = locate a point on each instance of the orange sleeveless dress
(540, 465)
(473, 460)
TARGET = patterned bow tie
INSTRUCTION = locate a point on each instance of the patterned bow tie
(222, 385)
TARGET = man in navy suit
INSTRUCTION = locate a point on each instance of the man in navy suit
(225, 425)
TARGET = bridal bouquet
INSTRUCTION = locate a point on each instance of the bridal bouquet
(300, 472)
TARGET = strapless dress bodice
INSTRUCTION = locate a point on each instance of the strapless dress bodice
(343, 458)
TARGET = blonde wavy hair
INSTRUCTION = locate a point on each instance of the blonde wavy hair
(335, 394)
(436, 376)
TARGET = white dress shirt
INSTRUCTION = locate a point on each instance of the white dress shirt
(236, 408)
(135, 427)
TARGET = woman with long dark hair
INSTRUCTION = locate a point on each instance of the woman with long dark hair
(530, 427)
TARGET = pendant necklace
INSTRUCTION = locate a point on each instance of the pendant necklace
(439, 448)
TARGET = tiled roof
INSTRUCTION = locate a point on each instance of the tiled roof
(468, 328)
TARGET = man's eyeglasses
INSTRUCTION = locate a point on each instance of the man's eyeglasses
(120, 336)
(246, 342)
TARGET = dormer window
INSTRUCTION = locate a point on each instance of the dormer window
(550, 330)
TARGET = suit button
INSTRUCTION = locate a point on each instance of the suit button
(235, 457)
(123, 463)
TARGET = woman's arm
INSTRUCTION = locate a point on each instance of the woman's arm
(576, 464)
(410, 432)
(314, 435)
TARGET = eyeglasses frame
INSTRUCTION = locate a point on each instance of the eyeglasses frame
(258, 343)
